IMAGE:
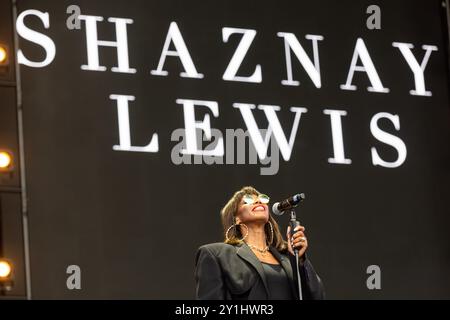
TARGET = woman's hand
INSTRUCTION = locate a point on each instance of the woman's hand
(297, 241)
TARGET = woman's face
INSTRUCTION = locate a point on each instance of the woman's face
(253, 208)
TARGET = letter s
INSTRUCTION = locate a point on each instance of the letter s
(389, 139)
(35, 37)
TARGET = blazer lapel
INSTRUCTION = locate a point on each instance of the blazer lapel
(286, 264)
(247, 254)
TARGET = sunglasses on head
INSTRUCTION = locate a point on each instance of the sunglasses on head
(251, 199)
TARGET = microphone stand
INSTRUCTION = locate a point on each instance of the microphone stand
(293, 224)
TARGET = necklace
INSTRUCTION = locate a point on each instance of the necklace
(263, 251)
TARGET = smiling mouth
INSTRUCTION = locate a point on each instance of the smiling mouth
(259, 208)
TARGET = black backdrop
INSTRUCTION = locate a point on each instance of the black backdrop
(132, 221)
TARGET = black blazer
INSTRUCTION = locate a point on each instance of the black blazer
(233, 272)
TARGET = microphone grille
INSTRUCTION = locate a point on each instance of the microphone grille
(275, 209)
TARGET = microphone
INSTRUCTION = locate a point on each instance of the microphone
(280, 207)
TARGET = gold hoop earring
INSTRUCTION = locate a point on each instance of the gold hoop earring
(271, 233)
(235, 225)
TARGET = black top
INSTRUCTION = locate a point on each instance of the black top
(233, 272)
(277, 281)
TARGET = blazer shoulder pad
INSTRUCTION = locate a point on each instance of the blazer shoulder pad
(216, 247)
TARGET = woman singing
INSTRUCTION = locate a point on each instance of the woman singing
(254, 262)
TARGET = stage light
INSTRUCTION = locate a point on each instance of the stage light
(3, 55)
(6, 275)
(5, 269)
(6, 160)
